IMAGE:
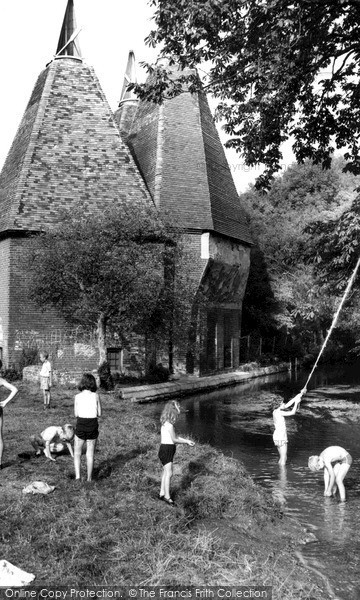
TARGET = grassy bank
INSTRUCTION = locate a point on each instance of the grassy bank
(224, 531)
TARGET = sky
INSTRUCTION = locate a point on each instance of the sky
(110, 28)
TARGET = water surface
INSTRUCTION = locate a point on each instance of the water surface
(238, 421)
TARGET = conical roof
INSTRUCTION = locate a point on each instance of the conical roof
(178, 150)
(67, 150)
(68, 44)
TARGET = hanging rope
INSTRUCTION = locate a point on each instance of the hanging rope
(348, 288)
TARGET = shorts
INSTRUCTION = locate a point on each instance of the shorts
(87, 429)
(166, 453)
(44, 383)
(280, 443)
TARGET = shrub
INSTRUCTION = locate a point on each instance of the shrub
(106, 380)
(29, 356)
(11, 373)
(157, 374)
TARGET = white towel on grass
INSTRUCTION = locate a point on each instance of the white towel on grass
(11, 576)
(38, 487)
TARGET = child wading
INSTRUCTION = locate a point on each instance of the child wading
(13, 392)
(87, 409)
(168, 447)
(334, 474)
(45, 378)
(280, 434)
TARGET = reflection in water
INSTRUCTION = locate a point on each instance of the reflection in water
(280, 486)
(239, 422)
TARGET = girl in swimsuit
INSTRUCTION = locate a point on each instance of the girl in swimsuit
(169, 439)
(280, 434)
(87, 410)
(336, 462)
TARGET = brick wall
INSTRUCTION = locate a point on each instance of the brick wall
(4, 296)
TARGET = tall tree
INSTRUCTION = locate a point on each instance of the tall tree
(304, 224)
(107, 271)
(279, 68)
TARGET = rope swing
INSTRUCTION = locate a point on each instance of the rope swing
(348, 288)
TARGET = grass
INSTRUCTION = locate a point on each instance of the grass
(225, 529)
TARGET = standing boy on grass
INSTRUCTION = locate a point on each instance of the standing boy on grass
(46, 378)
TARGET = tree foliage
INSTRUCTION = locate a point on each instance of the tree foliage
(336, 247)
(107, 271)
(306, 230)
(278, 69)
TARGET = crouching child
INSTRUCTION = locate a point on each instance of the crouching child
(53, 439)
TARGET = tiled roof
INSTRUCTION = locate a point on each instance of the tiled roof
(179, 152)
(67, 150)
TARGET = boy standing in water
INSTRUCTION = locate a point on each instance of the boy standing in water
(334, 474)
(280, 434)
(45, 378)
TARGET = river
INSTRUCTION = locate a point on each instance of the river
(238, 421)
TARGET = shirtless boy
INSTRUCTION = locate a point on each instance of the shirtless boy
(53, 438)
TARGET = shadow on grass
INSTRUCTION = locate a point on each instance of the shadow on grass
(111, 465)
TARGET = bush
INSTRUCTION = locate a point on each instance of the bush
(11, 373)
(106, 380)
(157, 374)
(29, 356)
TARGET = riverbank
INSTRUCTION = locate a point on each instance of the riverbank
(187, 385)
(225, 530)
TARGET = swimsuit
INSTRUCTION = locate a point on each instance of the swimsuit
(166, 453)
(347, 460)
(87, 429)
(86, 407)
(280, 435)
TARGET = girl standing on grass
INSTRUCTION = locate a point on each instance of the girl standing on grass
(87, 409)
(168, 447)
(13, 392)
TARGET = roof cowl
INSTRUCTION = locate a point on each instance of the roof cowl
(68, 44)
(129, 77)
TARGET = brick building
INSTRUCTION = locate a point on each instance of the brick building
(71, 148)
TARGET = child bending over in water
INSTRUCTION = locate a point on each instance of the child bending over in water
(280, 434)
(52, 439)
(169, 439)
(336, 462)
